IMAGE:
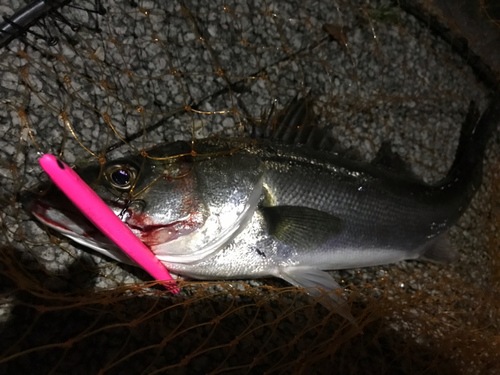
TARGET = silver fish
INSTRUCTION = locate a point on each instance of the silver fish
(250, 209)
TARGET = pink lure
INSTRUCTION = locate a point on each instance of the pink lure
(92, 206)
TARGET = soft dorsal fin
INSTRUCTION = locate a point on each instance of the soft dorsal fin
(301, 227)
(390, 160)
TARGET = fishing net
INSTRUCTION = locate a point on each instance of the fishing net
(91, 81)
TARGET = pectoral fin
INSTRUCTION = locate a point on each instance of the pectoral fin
(311, 279)
(301, 227)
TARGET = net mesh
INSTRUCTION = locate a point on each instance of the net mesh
(91, 85)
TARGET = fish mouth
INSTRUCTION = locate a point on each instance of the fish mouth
(65, 220)
(56, 211)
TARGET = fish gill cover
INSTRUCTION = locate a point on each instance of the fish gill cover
(96, 80)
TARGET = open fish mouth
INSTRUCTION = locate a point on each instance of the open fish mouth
(57, 212)
(67, 221)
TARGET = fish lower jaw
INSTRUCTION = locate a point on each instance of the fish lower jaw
(82, 234)
(54, 220)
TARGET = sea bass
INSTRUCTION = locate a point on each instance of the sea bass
(282, 205)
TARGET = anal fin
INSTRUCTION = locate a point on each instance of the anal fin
(311, 279)
(439, 251)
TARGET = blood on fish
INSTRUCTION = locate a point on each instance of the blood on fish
(190, 222)
(156, 234)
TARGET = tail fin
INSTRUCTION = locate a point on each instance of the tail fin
(466, 173)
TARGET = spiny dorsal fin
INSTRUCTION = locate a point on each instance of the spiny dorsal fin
(295, 125)
(291, 119)
(301, 227)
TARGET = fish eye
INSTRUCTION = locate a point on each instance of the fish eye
(121, 176)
